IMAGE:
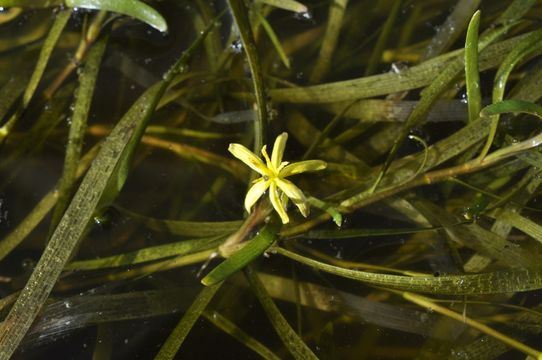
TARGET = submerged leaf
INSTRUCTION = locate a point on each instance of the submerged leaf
(30, 3)
(290, 5)
(244, 256)
(134, 8)
(472, 76)
(295, 345)
(177, 336)
(114, 154)
(512, 106)
(496, 282)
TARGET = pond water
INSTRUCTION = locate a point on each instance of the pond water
(119, 196)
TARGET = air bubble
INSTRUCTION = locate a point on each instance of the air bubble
(237, 46)
(306, 16)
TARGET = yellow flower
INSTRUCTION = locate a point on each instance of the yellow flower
(274, 172)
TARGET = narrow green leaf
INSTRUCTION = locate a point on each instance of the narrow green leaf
(427, 303)
(449, 32)
(185, 228)
(382, 110)
(472, 75)
(133, 8)
(177, 336)
(148, 254)
(204, 135)
(359, 233)
(213, 42)
(72, 225)
(336, 13)
(515, 11)
(240, 16)
(473, 236)
(383, 38)
(292, 341)
(382, 84)
(243, 256)
(71, 228)
(429, 96)
(529, 45)
(29, 223)
(505, 281)
(40, 132)
(437, 154)
(290, 5)
(87, 81)
(235, 331)
(512, 106)
(43, 59)
(33, 4)
(67, 314)
(11, 91)
(45, 53)
(274, 40)
(122, 168)
(528, 226)
(329, 208)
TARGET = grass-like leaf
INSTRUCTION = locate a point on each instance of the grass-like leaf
(531, 44)
(430, 304)
(115, 152)
(336, 13)
(512, 106)
(178, 335)
(382, 84)
(472, 75)
(251, 250)
(30, 3)
(240, 14)
(274, 40)
(476, 284)
(43, 60)
(87, 82)
(246, 339)
(290, 5)
(134, 8)
(292, 341)
(148, 254)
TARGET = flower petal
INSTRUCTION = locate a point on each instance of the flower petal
(248, 157)
(302, 166)
(278, 150)
(255, 192)
(294, 194)
(277, 203)
(282, 165)
(266, 157)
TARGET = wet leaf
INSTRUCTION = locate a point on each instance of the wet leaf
(133, 8)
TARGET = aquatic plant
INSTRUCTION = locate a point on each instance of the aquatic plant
(119, 196)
